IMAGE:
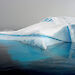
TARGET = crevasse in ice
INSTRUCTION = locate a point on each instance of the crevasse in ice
(49, 31)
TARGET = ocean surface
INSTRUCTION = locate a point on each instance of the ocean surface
(19, 58)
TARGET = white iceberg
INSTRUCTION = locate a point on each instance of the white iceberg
(50, 31)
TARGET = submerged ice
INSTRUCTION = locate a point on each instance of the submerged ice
(50, 31)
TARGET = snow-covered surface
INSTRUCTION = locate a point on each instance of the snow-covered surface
(49, 31)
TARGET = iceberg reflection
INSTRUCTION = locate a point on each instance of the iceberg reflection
(23, 52)
(59, 58)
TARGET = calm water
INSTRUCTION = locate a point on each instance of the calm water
(16, 57)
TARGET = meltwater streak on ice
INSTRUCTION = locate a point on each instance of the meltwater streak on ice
(32, 35)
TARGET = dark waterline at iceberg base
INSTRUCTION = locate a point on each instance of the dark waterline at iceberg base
(17, 57)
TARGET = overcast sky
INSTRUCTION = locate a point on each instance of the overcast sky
(16, 14)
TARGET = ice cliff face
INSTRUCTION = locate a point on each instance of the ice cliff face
(49, 31)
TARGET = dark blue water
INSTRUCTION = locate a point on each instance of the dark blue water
(16, 57)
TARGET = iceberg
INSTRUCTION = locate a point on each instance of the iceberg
(49, 31)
